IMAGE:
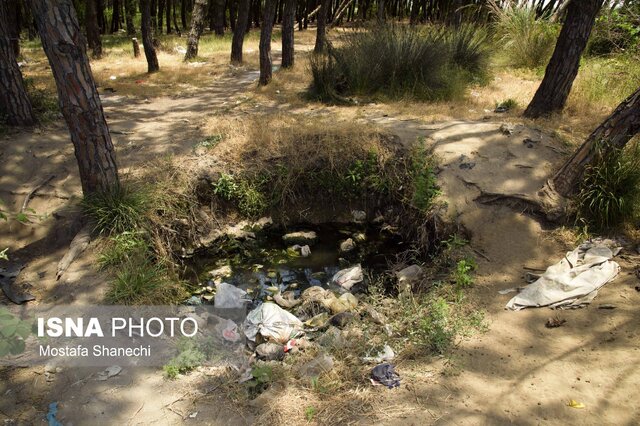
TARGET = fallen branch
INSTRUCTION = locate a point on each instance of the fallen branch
(31, 193)
(77, 246)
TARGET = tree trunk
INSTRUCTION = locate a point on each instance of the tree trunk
(93, 31)
(77, 93)
(321, 35)
(15, 107)
(115, 17)
(13, 22)
(147, 37)
(183, 14)
(197, 26)
(153, 6)
(265, 41)
(563, 67)
(288, 22)
(381, 12)
(130, 13)
(613, 133)
(175, 19)
(233, 14)
(102, 20)
(168, 15)
(218, 17)
(160, 15)
(242, 23)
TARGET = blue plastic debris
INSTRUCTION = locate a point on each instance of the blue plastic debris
(51, 415)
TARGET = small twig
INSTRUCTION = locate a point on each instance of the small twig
(136, 413)
(529, 268)
(31, 193)
(482, 255)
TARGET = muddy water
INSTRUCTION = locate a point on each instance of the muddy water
(267, 265)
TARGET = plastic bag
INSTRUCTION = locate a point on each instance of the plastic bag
(273, 323)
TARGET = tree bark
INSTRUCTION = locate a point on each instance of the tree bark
(218, 17)
(288, 23)
(197, 26)
(321, 35)
(242, 23)
(183, 14)
(13, 22)
(613, 133)
(77, 93)
(15, 107)
(130, 13)
(93, 30)
(102, 20)
(115, 17)
(147, 37)
(168, 8)
(265, 42)
(563, 67)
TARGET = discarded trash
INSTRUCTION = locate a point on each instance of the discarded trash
(386, 354)
(509, 290)
(347, 278)
(554, 322)
(221, 272)
(358, 216)
(376, 316)
(317, 366)
(318, 320)
(114, 370)
(300, 237)
(575, 404)
(228, 330)
(112, 77)
(344, 303)
(384, 374)
(507, 129)
(229, 297)
(272, 322)
(409, 276)
(572, 282)
(607, 306)
(193, 415)
(51, 415)
(347, 245)
(298, 250)
(342, 319)
(529, 143)
(270, 352)
(286, 300)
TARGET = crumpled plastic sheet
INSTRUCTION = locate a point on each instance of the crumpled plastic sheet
(385, 374)
(574, 281)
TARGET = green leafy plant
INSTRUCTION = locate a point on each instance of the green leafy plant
(262, 377)
(507, 104)
(424, 180)
(437, 326)
(120, 209)
(310, 412)
(189, 358)
(225, 187)
(13, 332)
(461, 275)
(609, 192)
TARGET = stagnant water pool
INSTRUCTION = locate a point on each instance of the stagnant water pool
(267, 264)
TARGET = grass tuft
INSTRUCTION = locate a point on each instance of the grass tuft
(609, 193)
(433, 63)
(118, 210)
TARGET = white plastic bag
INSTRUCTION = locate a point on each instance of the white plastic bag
(347, 278)
(229, 297)
(273, 323)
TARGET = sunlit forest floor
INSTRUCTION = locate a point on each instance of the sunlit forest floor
(517, 371)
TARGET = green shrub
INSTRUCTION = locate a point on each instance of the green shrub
(507, 104)
(609, 192)
(44, 104)
(429, 64)
(424, 181)
(140, 280)
(118, 210)
(526, 41)
(462, 274)
(189, 358)
(615, 30)
(438, 326)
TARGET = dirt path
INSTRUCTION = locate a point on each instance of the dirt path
(518, 372)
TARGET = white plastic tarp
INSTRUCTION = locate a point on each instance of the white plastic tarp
(572, 282)
(273, 323)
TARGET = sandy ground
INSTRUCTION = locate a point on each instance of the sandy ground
(518, 372)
